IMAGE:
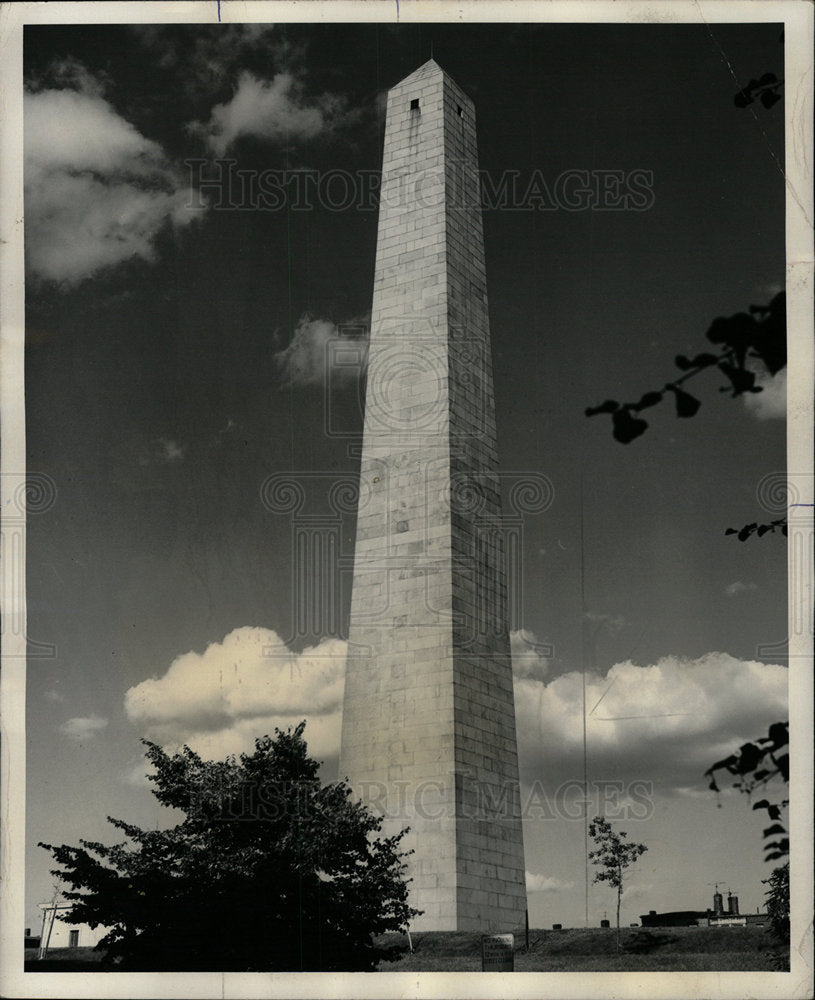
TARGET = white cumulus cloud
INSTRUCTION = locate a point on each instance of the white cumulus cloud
(531, 658)
(642, 890)
(97, 192)
(739, 587)
(219, 701)
(546, 883)
(269, 109)
(771, 403)
(318, 346)
(71, 73)
(83, 727)
(664, 723)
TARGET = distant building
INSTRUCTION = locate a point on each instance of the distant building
(717, 917)
(57, 933)
(675, 918)
(732, 917)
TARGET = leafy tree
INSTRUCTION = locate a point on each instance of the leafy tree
(269, 870)
(778, 909)
(613, 856)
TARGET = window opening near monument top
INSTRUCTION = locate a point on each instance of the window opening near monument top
(414, 104)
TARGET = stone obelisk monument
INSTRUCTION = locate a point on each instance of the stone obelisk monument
(428, 735)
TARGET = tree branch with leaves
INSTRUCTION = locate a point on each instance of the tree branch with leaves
(759, 335)
(755, 766)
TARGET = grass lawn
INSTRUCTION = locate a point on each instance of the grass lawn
(642, 949)
(64, 960)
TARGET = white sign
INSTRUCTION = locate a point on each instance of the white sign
(498, 953)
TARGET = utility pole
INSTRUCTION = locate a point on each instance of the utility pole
(49, 913)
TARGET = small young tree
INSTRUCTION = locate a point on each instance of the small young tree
(269, 871)
(613, 856)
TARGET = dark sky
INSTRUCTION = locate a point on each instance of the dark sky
(173, 364)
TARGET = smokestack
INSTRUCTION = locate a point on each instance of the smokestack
(732, 904)
(718, 904)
